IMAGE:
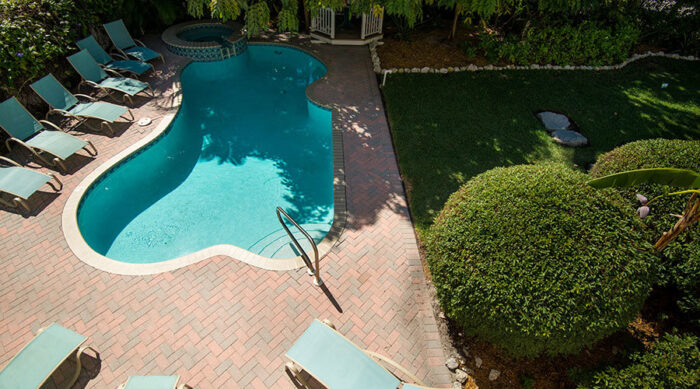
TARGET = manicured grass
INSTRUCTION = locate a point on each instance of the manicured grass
(448, 128)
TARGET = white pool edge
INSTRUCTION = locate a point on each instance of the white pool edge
(77, 244)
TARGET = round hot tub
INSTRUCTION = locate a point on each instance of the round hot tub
(205, 40)
(205, 33)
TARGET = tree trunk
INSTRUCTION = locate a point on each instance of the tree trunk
(691, 215)
(307, 23)
(453, 33)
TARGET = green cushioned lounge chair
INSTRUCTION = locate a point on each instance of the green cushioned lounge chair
(153, 382)
(106, 61)
(337, 363)
(26, 131)
(40, 358)
(127, 45)
(65, 103)
(92, 74)
(19, 183)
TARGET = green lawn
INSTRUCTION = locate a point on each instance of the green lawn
(448, 128)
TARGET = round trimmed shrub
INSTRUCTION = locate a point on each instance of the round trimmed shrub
(534, 260)
(680, 261)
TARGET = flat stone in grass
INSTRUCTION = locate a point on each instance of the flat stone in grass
(569, 138)
(553, 121)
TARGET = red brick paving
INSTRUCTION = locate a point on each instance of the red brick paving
(221, 323)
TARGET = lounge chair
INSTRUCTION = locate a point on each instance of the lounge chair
(25, 130)
(105, 60)
(63, 102)
(20, 183)
(40, 358)
(92, 74)
(153, 382)
(337, 363)
(127, 45)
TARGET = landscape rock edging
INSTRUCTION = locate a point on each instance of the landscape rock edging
(376, 64)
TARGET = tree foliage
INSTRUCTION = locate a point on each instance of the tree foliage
(287, 16)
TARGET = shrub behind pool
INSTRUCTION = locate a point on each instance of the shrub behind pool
(534, 260)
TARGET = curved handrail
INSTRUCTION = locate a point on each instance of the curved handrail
(313, 268)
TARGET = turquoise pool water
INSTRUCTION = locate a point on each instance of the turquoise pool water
(245, 140)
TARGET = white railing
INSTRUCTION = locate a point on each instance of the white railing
(324, 22)
(371, 24)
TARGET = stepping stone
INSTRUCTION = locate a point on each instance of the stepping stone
(569, 138)
(553, 121)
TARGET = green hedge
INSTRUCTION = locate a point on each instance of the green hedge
(673, 363)
(680, 261)
(36, 35)
(585, 44)
(532, 259)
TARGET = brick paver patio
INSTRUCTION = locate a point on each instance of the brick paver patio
(221, 323)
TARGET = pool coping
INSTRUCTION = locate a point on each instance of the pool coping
(85, 253)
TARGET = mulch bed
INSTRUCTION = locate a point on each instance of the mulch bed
(428, 47)
(431, 47)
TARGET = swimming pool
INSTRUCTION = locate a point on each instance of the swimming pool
(245, 140)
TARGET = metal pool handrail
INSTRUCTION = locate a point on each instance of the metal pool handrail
(312, 268)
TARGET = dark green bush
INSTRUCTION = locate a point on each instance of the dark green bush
(673, 363)
(680, 261)
(534, 260)
(33, 35)
(672, 25)
(36, 35)
(585, 44)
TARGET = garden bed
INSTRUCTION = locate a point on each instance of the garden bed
(430, 47)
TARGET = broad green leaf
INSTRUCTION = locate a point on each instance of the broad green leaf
(682, 178)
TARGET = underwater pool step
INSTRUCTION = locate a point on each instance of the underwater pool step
(278, 245)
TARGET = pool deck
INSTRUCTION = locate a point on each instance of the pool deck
(221, 323)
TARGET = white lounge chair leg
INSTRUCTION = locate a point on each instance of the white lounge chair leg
(292, 369)
(329, 323)
(80, 352)
(77, 369)
(94, 149)
(20, 203)
(60, 184)
(59, 162)
(128, 110)
(109, 128)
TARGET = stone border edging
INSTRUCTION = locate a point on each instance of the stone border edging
(376, 63)
(76, 243)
